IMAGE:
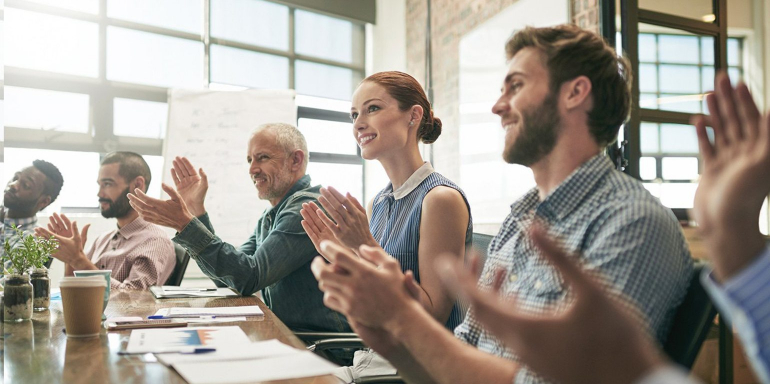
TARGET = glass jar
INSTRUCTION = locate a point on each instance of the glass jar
(17, 298)
(41, 289)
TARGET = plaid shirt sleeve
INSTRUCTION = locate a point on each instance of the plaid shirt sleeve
(638, 255)
(745, 301)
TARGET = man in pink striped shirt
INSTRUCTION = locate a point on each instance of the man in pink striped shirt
(139, 254)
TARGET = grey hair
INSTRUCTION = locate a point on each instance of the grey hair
(288, 137)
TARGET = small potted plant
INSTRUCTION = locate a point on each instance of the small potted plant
(31, 253)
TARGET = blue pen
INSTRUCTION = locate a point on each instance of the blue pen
(198, 350)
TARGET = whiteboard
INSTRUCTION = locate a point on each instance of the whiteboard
(212, 129)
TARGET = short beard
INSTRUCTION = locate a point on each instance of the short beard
(540, 128)
(118, 208)
(281, 184)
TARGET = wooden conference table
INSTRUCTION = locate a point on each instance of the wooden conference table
(37, 351)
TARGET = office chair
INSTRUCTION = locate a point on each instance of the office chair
(691, 324)
(323, 341)
(182, 259)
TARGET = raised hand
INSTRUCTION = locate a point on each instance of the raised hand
(60, 225)
(316, 230)
(191, 185)
(577, 345)
(370, 290)
(171, 213)
(71, 241)
(735, 178)
(350, 225)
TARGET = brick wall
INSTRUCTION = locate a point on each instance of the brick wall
(451, 19)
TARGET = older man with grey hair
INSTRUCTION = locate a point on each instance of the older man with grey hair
(276, 258)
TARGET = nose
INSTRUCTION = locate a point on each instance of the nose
(253, 168)
(359, 124)
(501, 105)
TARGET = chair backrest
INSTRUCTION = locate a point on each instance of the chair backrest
(692, 322)
(182, 258)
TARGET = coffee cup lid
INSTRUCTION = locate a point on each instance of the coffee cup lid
(90, 281)
(92, 272)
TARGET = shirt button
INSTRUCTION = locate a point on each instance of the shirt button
(487, 275)
(538, 284)
(513, 277)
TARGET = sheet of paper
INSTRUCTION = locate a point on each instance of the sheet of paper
(247, 310)
(167, 339)
(177, 292)
(291, 366)
(226, 319)
(257, 350)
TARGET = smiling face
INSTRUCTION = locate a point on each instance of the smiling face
(25, 191)
(379, 126)
(270, 167)
(528, 110)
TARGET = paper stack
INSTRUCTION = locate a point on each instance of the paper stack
(170, 292)
(254, 362)
(186, 312)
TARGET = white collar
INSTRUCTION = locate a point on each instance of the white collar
(413, 181)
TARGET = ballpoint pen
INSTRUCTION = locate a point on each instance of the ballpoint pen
(183, 350)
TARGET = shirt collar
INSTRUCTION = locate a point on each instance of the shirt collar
(132, 228)
(567, 195)
(19, 222)
(572, 191)
(410, 184)
(302, 183)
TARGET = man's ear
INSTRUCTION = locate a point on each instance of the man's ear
(297, 159)
(576, 93)
(138, 182)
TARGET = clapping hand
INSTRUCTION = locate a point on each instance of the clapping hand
(316, 230)
(578, 345)
(735, 178)
(191, 185)
(71, 240)
(351, 225)
(171, 213)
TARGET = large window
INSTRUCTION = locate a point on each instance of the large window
(676, 71)
(83, 79)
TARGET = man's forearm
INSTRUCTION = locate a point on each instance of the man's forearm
(435, 353)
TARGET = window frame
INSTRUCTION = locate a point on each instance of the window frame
(100, 137)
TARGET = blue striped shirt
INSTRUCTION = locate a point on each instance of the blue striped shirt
(395, 222)
(744, 300)
(615, 227)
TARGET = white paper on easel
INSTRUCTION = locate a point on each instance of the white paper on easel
(290, 366)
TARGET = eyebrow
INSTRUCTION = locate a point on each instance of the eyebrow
(367, 102)
(511, 75)
(26, 178)
(105, 179)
